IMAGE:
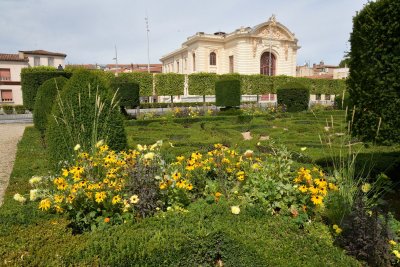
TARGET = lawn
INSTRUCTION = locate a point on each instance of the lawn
(205, 235)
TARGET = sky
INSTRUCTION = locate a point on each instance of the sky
(88, 30)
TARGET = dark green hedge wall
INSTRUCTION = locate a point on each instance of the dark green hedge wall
(169, 84)
(374, 81)
(202, 83)
(46, 94)
(227, 93)
(294, 96)
(128, 92)
(144, 79)
(32, 78)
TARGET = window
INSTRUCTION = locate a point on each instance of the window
(36, 61)
(267, 64)
(231, 67)
(50, 61)
(177, 66)
(327, 97)
(185, 63)
(5, 75)
(318, 97)
(6, 96)
(213, 59)
(194, 62)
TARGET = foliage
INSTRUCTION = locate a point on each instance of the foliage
(342, 101)
(45, 97)
(294, 96)
(257, 84)
(127, 92)
(144, 79)
(169, 84)
(32, 78)
(20, 109)
(374, 81)
(227, 93)
(8, 109)
(202, 83)
(84, 113)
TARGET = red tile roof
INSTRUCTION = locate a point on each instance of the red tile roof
(43, 52)
(12, 57)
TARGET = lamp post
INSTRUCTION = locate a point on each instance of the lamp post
(148, 43)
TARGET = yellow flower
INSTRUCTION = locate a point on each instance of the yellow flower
(189, 168)
(317, 200)
(149, 156)
(35, 180)
(65, 172)
(313, 190)
(303, 148)
(248, 153)
(45, 204)
(58, 209)
(176, 176)
(100, 196)
(396, 253)
(366, 187)
(103, 148)
(189, 187)
(70, 199)
(337, 229)
(58, 198)
(333, 187)
(235, 210)
(33, 194)
(77, 147)
(134, 199)
(298, 179)
(392, 242)
(19, 198)
(163, 185)
(303, 188)
(116, 199)
(255, 166)
(180, 158)
(180, 184)
(225, 160)
(218, 195)
(140, 147)
(321, 182)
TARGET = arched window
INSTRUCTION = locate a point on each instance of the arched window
(213, 59)
(267, 64)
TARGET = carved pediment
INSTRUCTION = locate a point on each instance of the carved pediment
(273, 32)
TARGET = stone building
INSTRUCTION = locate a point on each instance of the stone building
(268, 48)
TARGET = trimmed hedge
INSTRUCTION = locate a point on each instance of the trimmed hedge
(84, 113)
(144, 79)
(46, 94)
(33, 78)
(20, 109)
(169, 84)
(128, 92)
(202, 83)
(227, 93)
(294, 96)
(257, 84)
(374, 81)
(8, 109)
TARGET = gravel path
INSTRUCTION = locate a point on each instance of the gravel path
(10, 134)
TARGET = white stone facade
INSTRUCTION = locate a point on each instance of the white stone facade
(244, 51)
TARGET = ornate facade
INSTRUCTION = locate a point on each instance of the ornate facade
(268, 48)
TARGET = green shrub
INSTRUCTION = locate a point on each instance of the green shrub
(144, 79)
(169, 84)
(128, 92)
(374, 81)
(227, 93)
(20, 109)
(85, 112)
(32, 78)
(343, 103)
(44, 101)
(257, 84)
(202, 83)
(294, 96)
(8, 109)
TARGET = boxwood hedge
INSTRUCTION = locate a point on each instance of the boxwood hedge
(227, 93)
(294, 96)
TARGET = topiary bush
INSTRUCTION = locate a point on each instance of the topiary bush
(169, 84)
(128, 92)
(84, 112)
(227, 93)
(374, 81)
(44, 102)
(32, 78)
(144, 79)
(294, 96)
(8, 109)
(20, 109)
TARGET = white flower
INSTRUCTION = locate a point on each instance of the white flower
(19, 198)
(235, 210)
(33, 195)
(248, 153)
(149, 155)
(77, 147)
(303, 148)
(99, 143)
(140, 147)
(171, 144)
(134, 199)
(153, 146)
(35, 180)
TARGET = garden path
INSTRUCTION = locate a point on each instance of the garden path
(10, 134)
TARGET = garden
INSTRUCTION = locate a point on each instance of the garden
(241, 185)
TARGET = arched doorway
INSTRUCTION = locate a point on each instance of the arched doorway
(267, 67)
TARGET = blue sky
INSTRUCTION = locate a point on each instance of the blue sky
(87, 30)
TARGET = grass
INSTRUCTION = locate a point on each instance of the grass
(205, 235)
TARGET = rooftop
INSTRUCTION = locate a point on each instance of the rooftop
(12, 57)
(43, 53)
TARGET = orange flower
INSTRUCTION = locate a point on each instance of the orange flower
(107, 220)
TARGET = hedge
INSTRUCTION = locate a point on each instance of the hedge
(8, 109)
(294, 96)
(128, 92)
(257, 84)
(169, 84)
(20, 109)
(144, 79)
(374, 81)
(202, 83)
(46, 94)
(32, 78)
(83, 114)
(227, 93)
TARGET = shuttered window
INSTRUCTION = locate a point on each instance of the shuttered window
(6, 96)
